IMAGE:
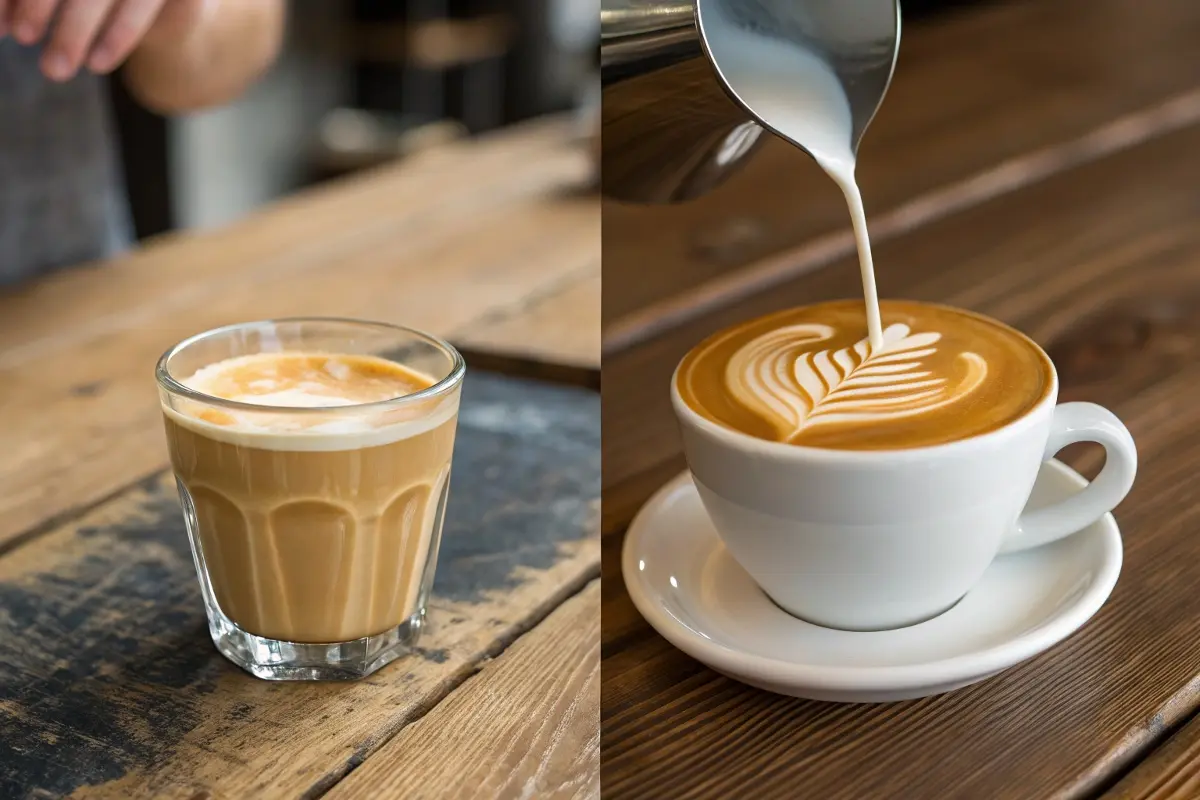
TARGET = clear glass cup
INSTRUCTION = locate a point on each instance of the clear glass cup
(315, 531)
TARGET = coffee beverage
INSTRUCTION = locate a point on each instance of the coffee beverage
(314, 490)
(901, 530)
(865, 527)
(809, 376)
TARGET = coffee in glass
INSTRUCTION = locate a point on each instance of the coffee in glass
(313, 462)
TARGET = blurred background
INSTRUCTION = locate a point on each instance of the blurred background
(359, 83)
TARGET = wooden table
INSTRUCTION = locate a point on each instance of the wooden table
(109, 686)
(1037, 161)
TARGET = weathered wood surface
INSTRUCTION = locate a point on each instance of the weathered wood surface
(1101, 264)
(560, 326)
(110, 687)
(454, 241)
(984, 100)
(469, 745)
(1172, 772)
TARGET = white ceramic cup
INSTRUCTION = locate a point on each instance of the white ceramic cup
(872, 540)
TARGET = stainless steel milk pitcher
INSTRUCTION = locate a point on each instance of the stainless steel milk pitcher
(673, 127)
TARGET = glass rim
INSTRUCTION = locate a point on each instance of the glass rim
(170, 384)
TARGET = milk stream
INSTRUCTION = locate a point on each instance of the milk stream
(797, 94)
(866, 265)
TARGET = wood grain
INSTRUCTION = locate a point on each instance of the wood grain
(560, 326)
(1101, 265)
(457, 241)
(110, 687)
(526, 726)
(434, 195)
(971, 91)
(1172, 772)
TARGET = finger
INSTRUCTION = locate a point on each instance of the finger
(30, 18)
(71, 40)
(124, 29)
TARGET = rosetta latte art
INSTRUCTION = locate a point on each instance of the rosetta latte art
(781, 379)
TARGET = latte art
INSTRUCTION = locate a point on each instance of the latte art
(809, 376)
(794, 391)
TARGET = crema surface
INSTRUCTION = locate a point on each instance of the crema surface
(808, 376)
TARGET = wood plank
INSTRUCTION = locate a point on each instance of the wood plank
(528, 725)
(77, 352)
(109, 686)
(434, 195)
(562, 326)
(1101, 266)
(1172, 772)
(1022, 84)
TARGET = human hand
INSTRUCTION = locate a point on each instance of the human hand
(98, 34)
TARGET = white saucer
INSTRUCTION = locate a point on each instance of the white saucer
(686, 585)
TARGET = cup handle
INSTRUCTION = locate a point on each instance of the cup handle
(1080, 422)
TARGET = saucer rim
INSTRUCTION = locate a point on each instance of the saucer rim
(829, 678)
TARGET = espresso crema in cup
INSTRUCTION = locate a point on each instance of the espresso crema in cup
(808, 376)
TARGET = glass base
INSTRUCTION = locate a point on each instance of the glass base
(275, 660)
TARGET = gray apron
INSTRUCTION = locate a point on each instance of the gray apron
(62, 201)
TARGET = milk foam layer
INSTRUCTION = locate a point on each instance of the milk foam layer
(809, 376)
(323, 389)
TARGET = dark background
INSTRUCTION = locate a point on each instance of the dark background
(360, 83)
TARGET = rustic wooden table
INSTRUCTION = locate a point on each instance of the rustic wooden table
(1036, 161)
(109, 686)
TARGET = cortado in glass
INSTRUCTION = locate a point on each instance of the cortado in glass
(313, 463)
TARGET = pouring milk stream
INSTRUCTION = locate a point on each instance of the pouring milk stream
(795, 92)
